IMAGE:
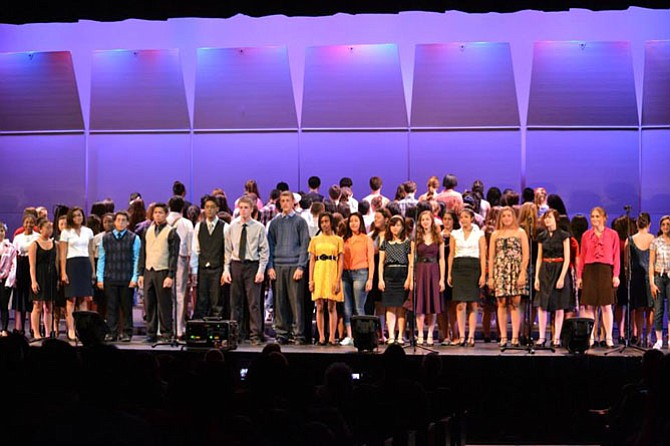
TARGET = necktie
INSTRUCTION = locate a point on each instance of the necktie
(210, 227)
(243, 243)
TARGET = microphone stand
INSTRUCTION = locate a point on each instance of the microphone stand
(530, 346)
(627, 272)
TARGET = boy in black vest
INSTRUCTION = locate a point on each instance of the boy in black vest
(118, 257)
(207, 256)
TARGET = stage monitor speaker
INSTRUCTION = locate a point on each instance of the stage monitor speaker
(212, 333)
(576, 334)
(365, 331)
(90, 327)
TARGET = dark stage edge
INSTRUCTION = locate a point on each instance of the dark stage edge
(511, 397)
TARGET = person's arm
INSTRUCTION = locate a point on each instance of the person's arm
(173, 252)
(380, 267)
(32, 259)
(409, 283)
(303, 234)
(137, 244)
(616, 253)
(312, 264)
(442, 265)
(482, 261)
(371, 263)
(263, 255)
(538, 265)
(492, 253)
(271, 244)
(450, 260)
(63, 245)
(525, 258)
(566, 264)
(340, 267)
(652, 264)
(100, 272)
(228, 254)
(91, 254)
(583, 252)
(195, 251)
(142, 261)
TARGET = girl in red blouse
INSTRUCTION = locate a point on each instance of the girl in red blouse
(598, 270)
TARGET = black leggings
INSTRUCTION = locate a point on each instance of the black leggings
(4, 305)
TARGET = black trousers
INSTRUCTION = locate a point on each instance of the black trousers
(119, 297)
(5, 293)
(244, 290)
(157, 303)
(208, 302)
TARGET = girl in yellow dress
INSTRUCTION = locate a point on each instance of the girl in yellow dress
(325, 275)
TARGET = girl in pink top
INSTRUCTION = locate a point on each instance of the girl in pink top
(598, 270)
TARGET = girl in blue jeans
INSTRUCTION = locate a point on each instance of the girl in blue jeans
(359, 263)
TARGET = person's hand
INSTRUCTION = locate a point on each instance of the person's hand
(482, 281)
(560, 283)
(140, 281)
(260, 277)
(311, 286)
(64, 278)
(132, 284)
(272, 274)
(35, 287)
(449, 281)
(368, 285)
(491, 283)
(167, 283)
(101, 286)
(336, 287)
(537, 285)
(579, 283)
(297, 275)
(381, 285)
(615, 282)
(226, 278)
(654, 290)
(441, 285)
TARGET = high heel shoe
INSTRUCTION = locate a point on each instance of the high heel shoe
(471, 342)
(419, 340)
(540, 342)
(609, 343)
(461, 342)
(503, 342)
(429, 340)
(556, 343)
(515, 342)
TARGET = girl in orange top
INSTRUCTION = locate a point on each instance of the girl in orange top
(359, 265)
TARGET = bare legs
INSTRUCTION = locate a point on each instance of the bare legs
(395, 315)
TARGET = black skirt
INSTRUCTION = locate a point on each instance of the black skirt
(465, 273)
(80, 277)
(394, 294)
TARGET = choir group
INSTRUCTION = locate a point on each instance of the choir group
(440, 259)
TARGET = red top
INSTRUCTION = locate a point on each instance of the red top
(603, 249)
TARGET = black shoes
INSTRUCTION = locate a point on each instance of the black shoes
(125, 338)
(110, 338)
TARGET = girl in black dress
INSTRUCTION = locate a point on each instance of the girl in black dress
(552, 281)
(43, 278)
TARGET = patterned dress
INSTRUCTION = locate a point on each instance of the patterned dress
(507, 267)
(395, 272)
(326, 248)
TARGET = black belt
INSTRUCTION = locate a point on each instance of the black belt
(661, 275)
(427, 259)
(325, 257)
(244, 262)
